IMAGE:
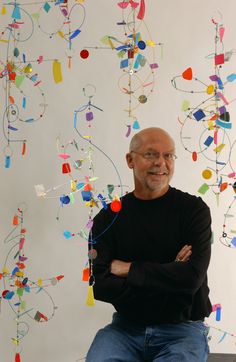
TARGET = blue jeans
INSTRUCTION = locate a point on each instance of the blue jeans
(123, 341)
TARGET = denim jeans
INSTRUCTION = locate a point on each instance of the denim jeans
(124, 341)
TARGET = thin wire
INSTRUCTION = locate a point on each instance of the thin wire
(114, 166)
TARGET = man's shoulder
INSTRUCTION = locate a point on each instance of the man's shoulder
(186, 197)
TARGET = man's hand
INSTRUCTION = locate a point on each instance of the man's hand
(120, 268)
(184, 254)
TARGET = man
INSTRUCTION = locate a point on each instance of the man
(152, 264)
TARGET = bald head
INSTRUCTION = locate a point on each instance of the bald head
(151, 134)
(151, 157)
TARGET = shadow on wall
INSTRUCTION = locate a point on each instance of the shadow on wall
(221, 357)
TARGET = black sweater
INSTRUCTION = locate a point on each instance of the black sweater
(150, 233)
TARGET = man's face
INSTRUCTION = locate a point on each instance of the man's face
(152, 165)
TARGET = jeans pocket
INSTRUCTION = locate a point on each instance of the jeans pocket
(199, 326)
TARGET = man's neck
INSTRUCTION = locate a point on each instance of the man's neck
(149, 194)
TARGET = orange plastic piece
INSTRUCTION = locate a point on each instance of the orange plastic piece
(223, 186)
(23, 148)
(11, 99)
(116, 205)
(88, 187)
(59, 277)
(12, 76)
(15, 220)
(66, 167)
(194, 156)
(188, 74)
(17, 357)
(213, 118)
(85, 277)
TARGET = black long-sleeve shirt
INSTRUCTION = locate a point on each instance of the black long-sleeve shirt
(150, 233)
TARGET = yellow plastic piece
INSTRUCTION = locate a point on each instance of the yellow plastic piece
(90, 297)
(219, 148)
(210, 89)
(206, 174)
(56, 69)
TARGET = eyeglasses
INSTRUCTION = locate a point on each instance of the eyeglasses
(151, 156)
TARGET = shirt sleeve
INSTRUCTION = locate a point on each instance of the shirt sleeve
(176, 277)
(108, 287)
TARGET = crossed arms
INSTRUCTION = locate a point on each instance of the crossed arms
(121, 268)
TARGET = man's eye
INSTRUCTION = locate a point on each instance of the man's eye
(170, 156)
(148, 154)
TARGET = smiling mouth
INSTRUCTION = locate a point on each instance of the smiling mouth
(157, 173)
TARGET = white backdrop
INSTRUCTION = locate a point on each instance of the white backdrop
(185, 29)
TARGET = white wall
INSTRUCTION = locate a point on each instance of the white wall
(186, 30)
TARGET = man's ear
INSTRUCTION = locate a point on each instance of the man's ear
(129, 160)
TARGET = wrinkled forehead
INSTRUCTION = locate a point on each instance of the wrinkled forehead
(155, 141)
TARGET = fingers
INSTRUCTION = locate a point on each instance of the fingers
(184, 254)
(120, 268)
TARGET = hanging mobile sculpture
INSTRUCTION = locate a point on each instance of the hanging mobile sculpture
(210, 120)
(63, 20)
(23, 99)
(17, 285)
(78, 165)
(137, 58)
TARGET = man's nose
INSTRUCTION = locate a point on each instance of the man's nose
(159, 159)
